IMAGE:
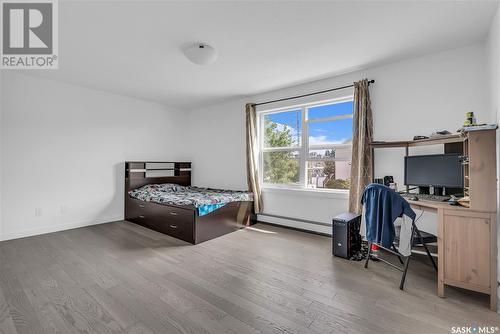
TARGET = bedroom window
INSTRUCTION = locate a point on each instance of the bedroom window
(308, 146)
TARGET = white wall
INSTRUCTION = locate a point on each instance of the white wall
(63, 151)
(217, 137)
(493, 53)
(1, 153)
(413, 97)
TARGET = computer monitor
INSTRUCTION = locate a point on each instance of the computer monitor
(437, 170)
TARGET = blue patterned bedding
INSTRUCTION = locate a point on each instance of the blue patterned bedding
(205, 200)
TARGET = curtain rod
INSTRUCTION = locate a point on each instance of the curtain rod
(310, 94)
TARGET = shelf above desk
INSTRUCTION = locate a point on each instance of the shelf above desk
(445, 139)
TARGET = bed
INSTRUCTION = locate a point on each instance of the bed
(159, 196)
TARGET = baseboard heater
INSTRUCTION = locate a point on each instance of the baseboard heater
(296, 223)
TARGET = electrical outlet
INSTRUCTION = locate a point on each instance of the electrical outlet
(38, 212)
(64, 209)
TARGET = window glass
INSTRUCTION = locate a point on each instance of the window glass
(330, 133)
(283, 129)
(328, 174)
(326, 160)
(343, 152)
(281, 167)
(331, 110)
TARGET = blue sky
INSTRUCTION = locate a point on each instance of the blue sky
(325, 132)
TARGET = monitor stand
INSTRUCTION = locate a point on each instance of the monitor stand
(424, 190)
(440, 191)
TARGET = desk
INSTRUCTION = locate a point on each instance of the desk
(467, 248)
(433, 206)
(467, 237)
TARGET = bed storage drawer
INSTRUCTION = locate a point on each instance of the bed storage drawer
(176, 222)
(135, 209)
(177, 214)
(178, 229)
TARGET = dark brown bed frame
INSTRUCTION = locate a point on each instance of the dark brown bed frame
(182, 222)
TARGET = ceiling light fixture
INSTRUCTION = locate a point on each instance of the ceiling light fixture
(201, 54)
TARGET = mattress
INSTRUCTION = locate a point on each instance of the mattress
(205, 200)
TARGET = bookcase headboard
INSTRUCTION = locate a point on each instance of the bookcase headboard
(140, 173)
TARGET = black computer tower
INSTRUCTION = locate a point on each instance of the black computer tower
(346, 240)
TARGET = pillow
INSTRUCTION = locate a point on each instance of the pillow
(157, 188)
(170, 187)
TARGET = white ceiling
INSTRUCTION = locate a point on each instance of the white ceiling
(134, 48)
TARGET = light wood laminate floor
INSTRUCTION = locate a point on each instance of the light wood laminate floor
(123, 278)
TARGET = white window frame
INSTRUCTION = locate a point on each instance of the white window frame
(304, 148)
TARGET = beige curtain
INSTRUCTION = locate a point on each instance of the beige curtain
(362, 154)
(253, 157)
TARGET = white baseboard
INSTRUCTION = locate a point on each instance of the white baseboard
(288, 222)
(55, 228)
(296, 223)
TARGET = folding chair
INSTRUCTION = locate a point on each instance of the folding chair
(404, 260)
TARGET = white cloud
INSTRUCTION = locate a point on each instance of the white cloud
(323, 140)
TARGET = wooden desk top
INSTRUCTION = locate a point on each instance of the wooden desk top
(434, 206)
